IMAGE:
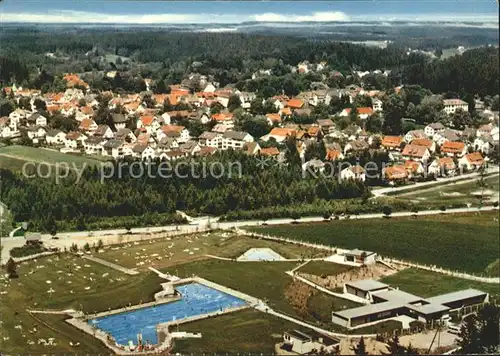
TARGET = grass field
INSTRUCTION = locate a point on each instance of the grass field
(176, 250)
(465, 242)
(93, 288)
(428, 284)
(321, 268)
(14, 157)
(246, 331)
(453, 193)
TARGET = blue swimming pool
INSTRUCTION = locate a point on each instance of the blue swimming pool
(196, 299)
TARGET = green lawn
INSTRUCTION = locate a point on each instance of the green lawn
(322, 268)
(428, 284)
(177, 250)
(466, 242)
(108, 289)
(246, 331)
(452, 193)
(14, 157)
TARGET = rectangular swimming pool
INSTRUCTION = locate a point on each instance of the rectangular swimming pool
(196, 299)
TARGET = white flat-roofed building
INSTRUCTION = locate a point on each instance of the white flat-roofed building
(388, 303)
(460, 299)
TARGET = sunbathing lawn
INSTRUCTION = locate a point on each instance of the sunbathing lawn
(246, 331)
(170, 251)
(323, 268)
(109, 289)
(429, 284)
(465, 242)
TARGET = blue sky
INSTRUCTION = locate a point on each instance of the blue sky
(142, 11)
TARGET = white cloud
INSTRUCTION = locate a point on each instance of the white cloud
(314, 17)
(65, 16)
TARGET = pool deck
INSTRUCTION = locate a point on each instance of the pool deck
(81, 323)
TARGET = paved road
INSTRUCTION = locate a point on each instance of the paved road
(115, 236)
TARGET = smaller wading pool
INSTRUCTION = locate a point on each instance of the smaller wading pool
(197, 299)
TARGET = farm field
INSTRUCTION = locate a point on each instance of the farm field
(428, 284)
(454, 193)
(263, 280)
(181, 249)
(93, 288)
(246, 331)
(465, 242)
(14, 157)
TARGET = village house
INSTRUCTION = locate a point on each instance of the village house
(377, 105)
(119, 120)
(363, 113)
(392, 143)
(353, 172)
(113, 148)
(36, 133)
(36, 119)
(273, 119)
(414, 169)
(434, 128)
(211, 139)
(246, 99)
(251, 148)
(279, 134)
(74, 140)
(149, 123)
(356, 146)
(326, 125)
(414, 135)
(55, 137)
(396, 173)
(190, 147)
(125, 135)
(333, 154)
(235, 139)
(295, 103)
(416, 153)
(442, 167)
(225, 118)
(272, 152)
(6, 131)
(180, 133)
(172, 155)
(454, 149)
(427, 143)
(471, 161)
(484, 130)
(484, 144)
(16, 117)
(452, 105)
(94, 145)
(104, 131)
(88, 126)
(143, 152)
(167, 144)
(446, 135)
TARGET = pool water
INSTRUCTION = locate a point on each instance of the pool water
(196, 299)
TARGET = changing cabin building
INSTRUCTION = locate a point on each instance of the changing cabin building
(384, 302)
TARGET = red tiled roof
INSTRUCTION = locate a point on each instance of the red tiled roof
(452, 147)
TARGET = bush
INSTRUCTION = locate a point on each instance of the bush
(386, 210)
(86, 247)
(27, 250)
(442, 208)
(495, 204)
